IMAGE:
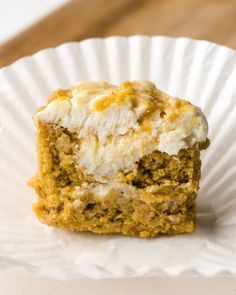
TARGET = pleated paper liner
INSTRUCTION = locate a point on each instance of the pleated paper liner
(199, 71)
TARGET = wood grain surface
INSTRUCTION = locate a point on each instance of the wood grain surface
(213, 20)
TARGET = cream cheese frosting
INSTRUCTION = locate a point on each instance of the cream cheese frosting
(102, 190)
(117, 126)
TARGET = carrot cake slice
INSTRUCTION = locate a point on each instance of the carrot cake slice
(118, 159)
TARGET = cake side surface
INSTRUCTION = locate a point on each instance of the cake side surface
(115, 177)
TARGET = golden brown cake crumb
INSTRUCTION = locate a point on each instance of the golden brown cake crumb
(141, 180)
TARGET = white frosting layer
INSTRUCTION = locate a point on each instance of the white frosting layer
(118, 126)
(103, 190)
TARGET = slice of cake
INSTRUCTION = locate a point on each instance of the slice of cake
(119, 160)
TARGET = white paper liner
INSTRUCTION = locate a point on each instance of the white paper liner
(199, 71)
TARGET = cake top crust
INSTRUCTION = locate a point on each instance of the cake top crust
(118, 125)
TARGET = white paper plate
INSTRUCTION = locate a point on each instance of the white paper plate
(200, 71)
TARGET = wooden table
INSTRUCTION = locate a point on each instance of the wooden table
(213, 20)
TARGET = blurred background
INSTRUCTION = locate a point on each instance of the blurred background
(27, 26)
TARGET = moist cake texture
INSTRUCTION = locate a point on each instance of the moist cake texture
(120, 160)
